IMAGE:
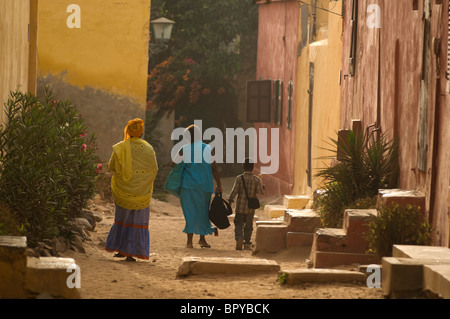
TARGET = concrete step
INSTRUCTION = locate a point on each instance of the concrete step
(327, 239)
(220, 265)
(306, 220)
(330, 259)
(26, 277)
(335, 246)
(299, 239)
(404, 276)
(421, 252)
(50, 276)
(13, 267)
(295, 201)
(300, 276)
(351, 238)
(274, 211)
(356, 227)
(401, 197)
(416, 268)
(356, 220)
(270, 238)
(436, 278)
(272, 222)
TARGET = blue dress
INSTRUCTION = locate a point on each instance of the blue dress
(196, 188)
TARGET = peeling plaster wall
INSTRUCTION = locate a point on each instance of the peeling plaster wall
(277, 59)
(101, 66)
(106, 114)
(395, 52)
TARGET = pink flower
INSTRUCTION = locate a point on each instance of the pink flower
(190, 61)
(53, 103)
(84, 147)
(221, 91)
(82, 134)
(98, 170)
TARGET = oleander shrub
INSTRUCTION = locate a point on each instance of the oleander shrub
(9, 225)
(397, 225)
(47, 163)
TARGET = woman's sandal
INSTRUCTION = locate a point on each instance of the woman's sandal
(119, 255)
(130, 259)
(204, 245)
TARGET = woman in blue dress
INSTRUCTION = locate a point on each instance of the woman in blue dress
(197, 187)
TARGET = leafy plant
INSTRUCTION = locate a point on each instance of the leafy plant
(48, 163)
(364, 167)
(282, 278)
(198, 72)
(397, 225)
(8, 223)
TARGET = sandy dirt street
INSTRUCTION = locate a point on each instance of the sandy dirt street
(105, 277)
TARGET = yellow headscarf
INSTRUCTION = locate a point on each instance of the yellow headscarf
(135, 128)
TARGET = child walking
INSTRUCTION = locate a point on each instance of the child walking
(243, 220)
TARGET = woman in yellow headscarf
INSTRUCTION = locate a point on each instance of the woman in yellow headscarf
(134, 165)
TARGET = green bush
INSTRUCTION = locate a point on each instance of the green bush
(9, 223)
(338, 219)
(365, 166)
(397, 225)
(48, 163)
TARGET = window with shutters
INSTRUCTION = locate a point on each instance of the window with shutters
(354, 27)
(259, 101)
(278, 102)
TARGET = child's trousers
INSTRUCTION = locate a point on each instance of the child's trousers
(244, 227)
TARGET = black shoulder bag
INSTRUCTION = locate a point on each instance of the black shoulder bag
(253, 203)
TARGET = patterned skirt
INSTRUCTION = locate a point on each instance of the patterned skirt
(129, 234)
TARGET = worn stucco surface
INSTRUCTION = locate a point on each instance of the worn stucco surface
(102, 65)
(106, 114)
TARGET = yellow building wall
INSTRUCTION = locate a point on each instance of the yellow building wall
(326, 54)
(102, 66)
(17, 63)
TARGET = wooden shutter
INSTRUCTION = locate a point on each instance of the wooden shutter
(275, 89)
(279, 103)
(354, 27)
(290, 102)
(448, 52)
(259, 100)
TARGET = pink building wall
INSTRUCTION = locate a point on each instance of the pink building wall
(277, 59)
(385, 89)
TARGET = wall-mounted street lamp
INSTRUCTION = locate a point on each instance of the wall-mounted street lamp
(162, 32)
(162, 29)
